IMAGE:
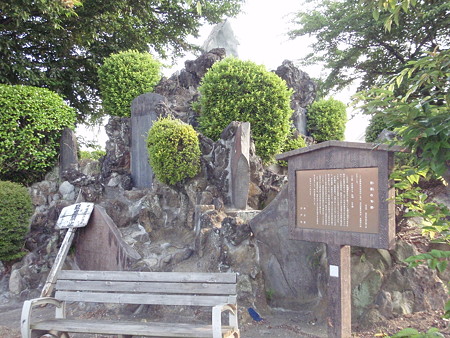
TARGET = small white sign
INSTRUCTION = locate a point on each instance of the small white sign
(334, 271)
(75, 216)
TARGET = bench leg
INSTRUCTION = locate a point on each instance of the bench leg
(36, 333)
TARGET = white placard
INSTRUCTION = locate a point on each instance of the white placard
(334, 271)
(75, 216)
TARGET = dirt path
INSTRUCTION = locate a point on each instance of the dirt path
(278, 324)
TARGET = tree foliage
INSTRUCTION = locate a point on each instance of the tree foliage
(31, 123)
(375, 127)
(45, 44)
(352, 43)
(15, 213)
(236, 90)
(416, 104)
(123, 77)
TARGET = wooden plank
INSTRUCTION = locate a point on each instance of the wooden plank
(128, 328)
(147, 287)
(138, 276)
(59, 261)
(339, 292)
(103, 297)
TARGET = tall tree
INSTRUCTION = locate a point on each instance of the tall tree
(59, 44)
(353, 43)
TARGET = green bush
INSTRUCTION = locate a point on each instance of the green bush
(31, 123)
(293, 141)
(95, 155)
(375, 127)
(174, 150)
(236, 90)
(15, 213)
(123, 77)
(326, 120)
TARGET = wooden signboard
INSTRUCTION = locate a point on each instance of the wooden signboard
(75, 216)
(340, 194)
(71, 218)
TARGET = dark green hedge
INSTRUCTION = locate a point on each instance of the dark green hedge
(15, 212)
(31, 122)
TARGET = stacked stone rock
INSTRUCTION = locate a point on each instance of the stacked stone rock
(194, 225)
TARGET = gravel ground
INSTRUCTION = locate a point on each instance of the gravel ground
(280, 324)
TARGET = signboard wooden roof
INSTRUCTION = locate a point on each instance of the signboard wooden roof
(340, 194)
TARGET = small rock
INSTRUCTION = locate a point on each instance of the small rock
(67, 191)
(16, 284)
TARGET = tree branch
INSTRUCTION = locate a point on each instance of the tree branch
(392, 50)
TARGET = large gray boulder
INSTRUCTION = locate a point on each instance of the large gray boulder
(222, 36)
(292, 269)
(305, 91)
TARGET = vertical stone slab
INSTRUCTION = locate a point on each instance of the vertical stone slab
(68, 151)
(240, 166)
(143, 114)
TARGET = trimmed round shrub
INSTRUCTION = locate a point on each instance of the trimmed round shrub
(15, 212)
(326, 120)
(236, 90)
(293, 141)
(123, 77)
(31, 122)
(375, 127)
(174, 150)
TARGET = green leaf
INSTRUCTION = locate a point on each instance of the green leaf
(408, 332)
(376, 14)
(442, 266)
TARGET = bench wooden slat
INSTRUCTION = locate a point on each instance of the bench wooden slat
(124, 298)
(132, 287)
(128, 328)
(198, 277)
(147, 287)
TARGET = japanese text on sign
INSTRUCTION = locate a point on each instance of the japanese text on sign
(338, 199)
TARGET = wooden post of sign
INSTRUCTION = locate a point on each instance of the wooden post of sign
(72, 217)
(339, 319)
(340, 195)
(59, 261)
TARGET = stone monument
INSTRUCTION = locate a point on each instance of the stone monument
(144, 111)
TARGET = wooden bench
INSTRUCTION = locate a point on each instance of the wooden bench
(215, 290)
